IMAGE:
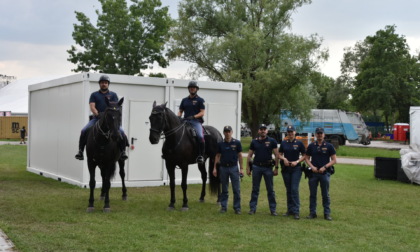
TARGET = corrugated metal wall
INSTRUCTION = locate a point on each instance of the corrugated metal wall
(10, 126)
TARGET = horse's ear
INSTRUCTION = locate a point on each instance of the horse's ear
(154, 104)
(164, 105)
(121, 101)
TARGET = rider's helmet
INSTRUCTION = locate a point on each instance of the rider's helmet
(104, 78)
(193, 84)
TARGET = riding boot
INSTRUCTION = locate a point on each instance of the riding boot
(82, 143)
(123, 144)
(201, 146)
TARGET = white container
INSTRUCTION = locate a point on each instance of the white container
(58, 110)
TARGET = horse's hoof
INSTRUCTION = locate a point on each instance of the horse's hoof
(107, 210)
(90, 210)
(102, 198)
(124, 198)
(184, 209)
(218, 203)
(201, 200)
(170, 208)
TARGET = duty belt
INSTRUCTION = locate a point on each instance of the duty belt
(227, 164)
(264, 164)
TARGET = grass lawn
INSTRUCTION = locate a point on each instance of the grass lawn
(41, 214)
(345, 151)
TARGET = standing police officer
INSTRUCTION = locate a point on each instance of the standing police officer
(97, 105)
(193, 108)
(262, 165)
(292, 152)
(229, 152)
(320, 156)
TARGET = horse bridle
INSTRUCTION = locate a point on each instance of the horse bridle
(104, 118)
(169, 132)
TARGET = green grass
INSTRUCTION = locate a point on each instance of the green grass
(245, 141)
(361, 152)
(345, 151)
(41, 214)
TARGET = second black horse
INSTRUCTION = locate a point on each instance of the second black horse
(179, 149)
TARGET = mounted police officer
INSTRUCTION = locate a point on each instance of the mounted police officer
(194, 109)
(97, 105)
(320, 156)
(292, 153)
(262, 166)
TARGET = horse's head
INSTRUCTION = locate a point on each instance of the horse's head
(111, 118)
(157, 122)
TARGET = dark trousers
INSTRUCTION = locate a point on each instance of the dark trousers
(324, 181)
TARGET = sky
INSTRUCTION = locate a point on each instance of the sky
(36, 34)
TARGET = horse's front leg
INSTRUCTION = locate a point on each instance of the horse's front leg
(202, 168)
(92, 184)
(184, 186)
(171, 172)
(106, 185)
(121, 164)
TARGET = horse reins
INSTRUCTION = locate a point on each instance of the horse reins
(169, 132)
(98, 126)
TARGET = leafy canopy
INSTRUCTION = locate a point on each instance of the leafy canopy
(125, 40)
(384, 77)
(246, 41)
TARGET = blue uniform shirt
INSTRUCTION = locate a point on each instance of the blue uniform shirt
(192, 106)
(320, 153)
(229, 152)
(263, 149)
(99, 99)
(291, 149)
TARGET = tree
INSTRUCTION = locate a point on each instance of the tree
(126, 39)
(333, 94)
(246, 41)
(386, 76)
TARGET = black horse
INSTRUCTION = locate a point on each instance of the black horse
(103, 150)
(180, 149)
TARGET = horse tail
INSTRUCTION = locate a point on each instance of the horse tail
(214, 181)
(112, 170)
(214, 138)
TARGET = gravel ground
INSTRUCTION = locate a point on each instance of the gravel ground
(381, 144)
(6, 244)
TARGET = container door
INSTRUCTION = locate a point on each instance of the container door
(144, 162)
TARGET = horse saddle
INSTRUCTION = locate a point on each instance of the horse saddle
(194, 132)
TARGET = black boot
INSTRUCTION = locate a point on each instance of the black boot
(82, 143)
(123, 143)
(79, 155)
(201, 146)
(123, 155)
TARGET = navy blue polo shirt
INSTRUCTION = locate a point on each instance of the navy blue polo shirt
(263, 149)
(291, 149)
(192, 106)
(320, 153)
(99, 99)
(229, 151)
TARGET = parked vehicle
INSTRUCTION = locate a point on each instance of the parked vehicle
(338, 125)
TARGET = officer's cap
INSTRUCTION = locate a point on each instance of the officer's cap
(263, 126)
(227, 128)
(319, 130)
(290, 128)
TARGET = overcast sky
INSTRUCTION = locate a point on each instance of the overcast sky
(35, 34)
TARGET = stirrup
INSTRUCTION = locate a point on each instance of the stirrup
(200, 160)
